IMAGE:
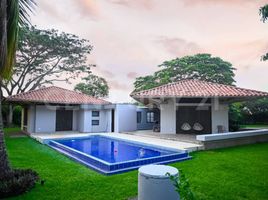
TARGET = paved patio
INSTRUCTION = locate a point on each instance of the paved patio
(176, 144)
(190, 138)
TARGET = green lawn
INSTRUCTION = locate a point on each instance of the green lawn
(233, 173)
(254, 126)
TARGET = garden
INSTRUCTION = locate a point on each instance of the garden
(232, 173)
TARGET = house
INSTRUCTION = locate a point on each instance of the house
(52, 109)
(186, 106)
(194, 106)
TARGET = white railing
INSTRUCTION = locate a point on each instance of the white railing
(231, 135)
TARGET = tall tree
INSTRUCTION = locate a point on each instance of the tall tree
(94, 86)
(263, 11)
(13, 14)
(44, 57)
(199, 66)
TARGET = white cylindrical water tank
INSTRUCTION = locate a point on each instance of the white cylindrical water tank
(155, 184)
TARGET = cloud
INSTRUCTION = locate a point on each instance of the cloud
(137, 35)
(222, 2)
(89, 8)
(178, 46)
(52, 11)
(132, 75)
(114, 84)
(244, 54)
(110, 78)
(103, 72)
(146, 4)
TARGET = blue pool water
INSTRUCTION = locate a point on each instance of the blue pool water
(109, 155)
(111, 150)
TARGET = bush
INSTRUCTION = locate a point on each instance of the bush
(17, 182)
(235, 116)
(182, 186)
(17, 115)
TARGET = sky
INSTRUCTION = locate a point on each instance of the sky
(131, 38)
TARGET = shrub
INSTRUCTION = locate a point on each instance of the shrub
(17, 115)
(182, 186)
(17, 182)
(235, 116)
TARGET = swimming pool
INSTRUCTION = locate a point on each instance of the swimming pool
(111, 155)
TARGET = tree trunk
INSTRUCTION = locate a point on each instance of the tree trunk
(3, 33)
(4, 164)
(10, 115)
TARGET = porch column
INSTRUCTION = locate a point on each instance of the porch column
(219, 116)
(168, 117)
(22, 118)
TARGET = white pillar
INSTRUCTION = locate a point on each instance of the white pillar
(168, 117)
(219, 116)
(22, 118)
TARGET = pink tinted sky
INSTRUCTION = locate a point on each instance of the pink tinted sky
(132, 37)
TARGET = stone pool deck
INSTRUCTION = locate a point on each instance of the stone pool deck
(164, 142)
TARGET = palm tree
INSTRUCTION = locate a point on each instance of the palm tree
(263, 11)
(13, 14)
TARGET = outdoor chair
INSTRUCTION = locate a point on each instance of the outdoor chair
(156, 127)
(221, 129)
(198, 127)
(186, 126)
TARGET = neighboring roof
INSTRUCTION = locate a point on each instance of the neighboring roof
(55, 94)
(189, 88)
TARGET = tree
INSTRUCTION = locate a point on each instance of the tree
(200, 66)
(263, 12)
(45, 57)
(94, 86)
(255, 111)
(13, 14)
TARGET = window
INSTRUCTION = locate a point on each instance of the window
(150, 117)
(138, 117)
(95, 113)
(95, 122)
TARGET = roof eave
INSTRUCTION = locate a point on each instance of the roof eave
(230, 98)
(27, 102)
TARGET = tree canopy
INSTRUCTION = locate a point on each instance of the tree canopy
(47, 56)
(94, 86)
(199, 66)
(13, 15)
(263, 11)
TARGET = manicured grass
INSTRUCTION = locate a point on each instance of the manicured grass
(254, 126)
(233, 173)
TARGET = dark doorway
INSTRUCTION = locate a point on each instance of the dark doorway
(112, 121)
(193, 116)
(64, 120)
(25, 116)
(25, 119)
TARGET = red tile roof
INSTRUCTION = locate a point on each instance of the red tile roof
(55, 94)
(196, 88)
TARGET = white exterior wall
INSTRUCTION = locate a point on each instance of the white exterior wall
(85, 118)
(45, 119)
(104, 123)
(75, 120)
(219, 116)
(125, 118)
(168, 117)
(80, 121)
(42, 119)
(85, 121)
(31, 119)
(109, 120)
